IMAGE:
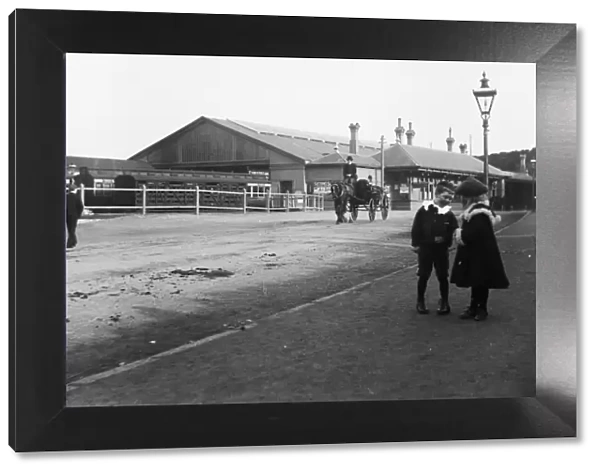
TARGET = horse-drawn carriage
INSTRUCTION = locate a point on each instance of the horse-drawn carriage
(363, 194)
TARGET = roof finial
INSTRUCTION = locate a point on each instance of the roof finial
(484, 81)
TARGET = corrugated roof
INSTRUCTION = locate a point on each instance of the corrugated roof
(399, 155)
(306, 149)
(294, 133)
(318, 148)
(107, 164)
(340, 158)
(333, 158)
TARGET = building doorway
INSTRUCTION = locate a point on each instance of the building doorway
(286, 186)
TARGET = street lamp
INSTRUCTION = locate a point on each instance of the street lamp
(382, 164)
(485, 99)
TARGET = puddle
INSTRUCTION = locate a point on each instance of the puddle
(81, 295)
(204, 272)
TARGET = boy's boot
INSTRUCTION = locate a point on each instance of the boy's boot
(443, 306)
(421, 307)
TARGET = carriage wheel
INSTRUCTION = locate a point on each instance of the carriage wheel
(371, 210)
(385, 208)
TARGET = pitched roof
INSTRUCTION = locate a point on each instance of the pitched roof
(303, 145)
(318, 148)
(294, 133)
(340, 158)
(107, 164)
(399, 155)
(307, 147)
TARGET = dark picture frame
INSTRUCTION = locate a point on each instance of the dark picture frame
(39, 420)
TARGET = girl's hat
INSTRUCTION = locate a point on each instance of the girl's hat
(471, 187)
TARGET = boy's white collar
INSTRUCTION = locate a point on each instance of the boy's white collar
(441, 210)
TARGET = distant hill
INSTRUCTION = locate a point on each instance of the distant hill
(510, 160)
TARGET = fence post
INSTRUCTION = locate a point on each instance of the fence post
(304, 202)
(197, 200)
(287, 201)
(82, 187)
(144, 199)
(244, 204)
(269, 201)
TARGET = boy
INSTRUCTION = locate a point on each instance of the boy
(432, 232)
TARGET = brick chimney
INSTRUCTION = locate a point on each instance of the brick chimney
(463, 148)
(450, 140)
(399, 130)
(410, 134)
(523, 163)
(354, 127)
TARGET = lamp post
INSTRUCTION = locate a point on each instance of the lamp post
(382, 164)
(485, 99)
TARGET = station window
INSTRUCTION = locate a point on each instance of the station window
(258, 190)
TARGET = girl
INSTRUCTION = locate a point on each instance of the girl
(478, 263)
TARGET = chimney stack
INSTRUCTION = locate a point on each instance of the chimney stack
(410, 134)
(463, 148)
(523, 165)
(399, 130)
(354, 137)
(450, 140)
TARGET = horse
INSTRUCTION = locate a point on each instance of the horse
(341, 193)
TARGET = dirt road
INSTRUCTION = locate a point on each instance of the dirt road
(127, 299)
(142, 285)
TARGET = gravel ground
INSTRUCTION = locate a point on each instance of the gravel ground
(141, 285)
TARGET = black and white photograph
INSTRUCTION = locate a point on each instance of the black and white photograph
(252, 229)
(249, 230)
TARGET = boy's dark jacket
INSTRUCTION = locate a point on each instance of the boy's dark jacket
(432, 221)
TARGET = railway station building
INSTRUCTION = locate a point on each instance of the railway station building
(306, 162)
(302, 162)
(295, 161)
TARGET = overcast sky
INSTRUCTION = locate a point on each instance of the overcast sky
(119, 104)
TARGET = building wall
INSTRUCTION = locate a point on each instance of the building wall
(293, 174)
(211, 147)
(408, 189)
(518, 196)
(206, 144)
(324, 173)
(364, 173)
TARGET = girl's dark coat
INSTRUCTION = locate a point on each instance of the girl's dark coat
(478, 261)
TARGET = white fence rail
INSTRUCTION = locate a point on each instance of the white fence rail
(267, 203)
